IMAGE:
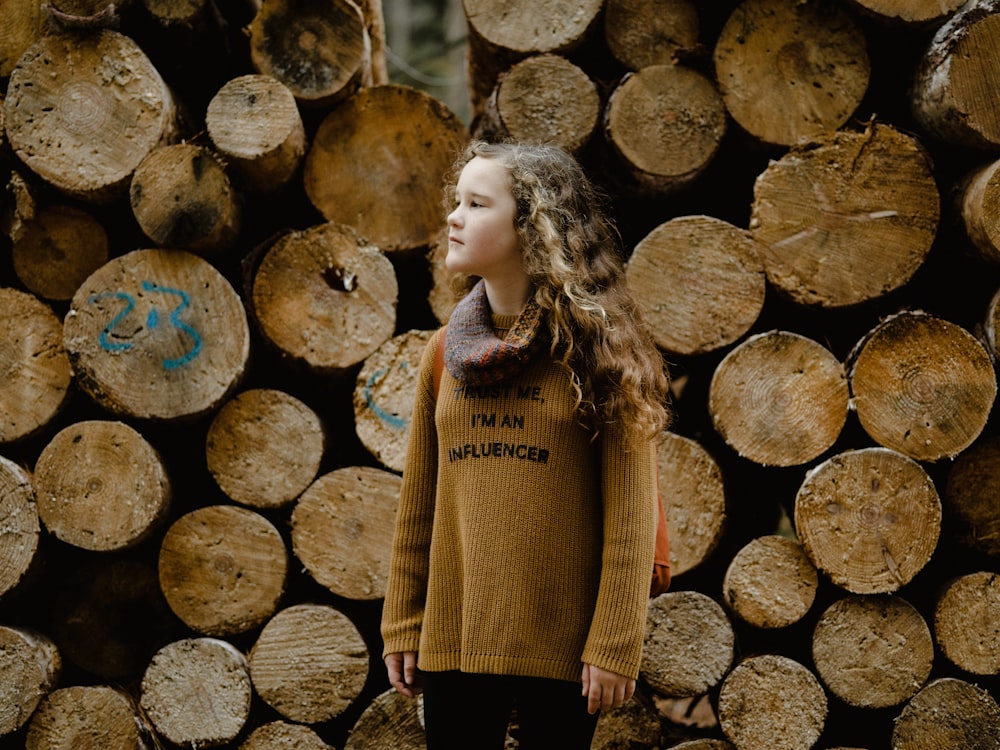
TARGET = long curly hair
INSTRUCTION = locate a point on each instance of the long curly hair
(573, 256)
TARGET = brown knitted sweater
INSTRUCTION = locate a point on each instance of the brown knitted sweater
(522, 546)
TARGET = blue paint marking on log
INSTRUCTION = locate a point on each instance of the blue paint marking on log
(390, 419)
(173, 364)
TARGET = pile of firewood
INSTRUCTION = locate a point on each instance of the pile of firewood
(221, 261)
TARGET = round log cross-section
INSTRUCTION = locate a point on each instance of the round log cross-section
(383, 397)
(35, 372)
(256, 126)
(83, 110)
(791, 70)
(771, 701)
(30, 666)
(157, 334)
(325, 297)
(320, 51)
(342, 530)
(182, 198)
(699, 281)
(283, 735)
(870, 519)
(922, 385)
(665, 123)
(88, 716)
(770, 582)
(894, 662)
(391, 722)
(640, 33)
(948, 712)
(779, 399)
(385, 140)
(197, 692)
(966, 618)
(847, 217)
(264, 448)
(19, 533)
(689, 644)
(100, 486)
(309, 663)
(223, 569)
(979, 205)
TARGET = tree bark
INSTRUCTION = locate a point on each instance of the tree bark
(872, 651)
(689, 644)
(387, 140)
(30, 666)
(88, 716)
(948, 712)
(965, 622)
(970, 493)
(19, 533)
(922, 385)
(309, 663)
(771, 702)
(955, 84)
(197, 692)
(847, 218)
(544, 99)
(282, 735)
(699, 281)
(325, 297)
(264, 448)
(322, 53)
(869, 519)
(342, 530)
(101, 486)
(779, 399)
(81, 122)
(223, 569)
(57, 249)
(664, 124)
(139, 334)
(182, 198)
(770, 582)
(692, 490)
(789, 71)
(640, 33)
(384, 394)
(37, 373)
(255, 125)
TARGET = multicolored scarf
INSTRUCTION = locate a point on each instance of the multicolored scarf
(475, 355)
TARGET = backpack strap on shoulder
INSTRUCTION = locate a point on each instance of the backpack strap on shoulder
(439, 361)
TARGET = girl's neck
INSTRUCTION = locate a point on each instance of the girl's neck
(509, 296)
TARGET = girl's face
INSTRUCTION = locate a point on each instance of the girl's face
(482, 240)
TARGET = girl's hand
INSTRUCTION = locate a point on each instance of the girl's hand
(604, 689)
(402, 670)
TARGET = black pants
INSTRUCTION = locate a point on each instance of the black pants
(464, 711)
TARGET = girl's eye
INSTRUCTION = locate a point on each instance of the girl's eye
(475, 204)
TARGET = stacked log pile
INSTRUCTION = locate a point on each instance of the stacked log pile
(222, 261)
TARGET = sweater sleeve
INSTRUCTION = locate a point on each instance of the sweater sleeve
(402, 613)
(629, 491)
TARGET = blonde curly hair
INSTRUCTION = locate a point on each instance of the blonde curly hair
(572, 254)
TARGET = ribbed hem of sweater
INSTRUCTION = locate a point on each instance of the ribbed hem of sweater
(491, 664)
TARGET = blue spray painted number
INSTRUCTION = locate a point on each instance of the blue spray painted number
(152, 321)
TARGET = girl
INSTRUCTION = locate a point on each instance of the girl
(524, 538)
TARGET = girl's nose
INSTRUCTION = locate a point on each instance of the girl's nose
(453, 218)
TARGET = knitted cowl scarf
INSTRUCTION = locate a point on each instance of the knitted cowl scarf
(475, 355)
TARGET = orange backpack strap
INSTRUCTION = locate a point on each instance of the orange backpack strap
(438, 362)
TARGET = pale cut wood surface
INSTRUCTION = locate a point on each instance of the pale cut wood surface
(142, 335)
(689, 644)
(197, 692)
(30, 667)
(915, 12)
(283, 735)
(101, 486)
(967, 622)
(779, 398)
(640, 33)
(21, 529)
(770, 582)
(699, 281)
(922, 385)
(979, 205)
(869, 519)
(391, 722)
(948, 712)
(789, 70)
(36, 369)
(772, 702)
(309, 663)
(325, 297)
(342, 528)
(86, 717)
(872, 651)
(264, 447)
(223, 569)
(847, 217)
